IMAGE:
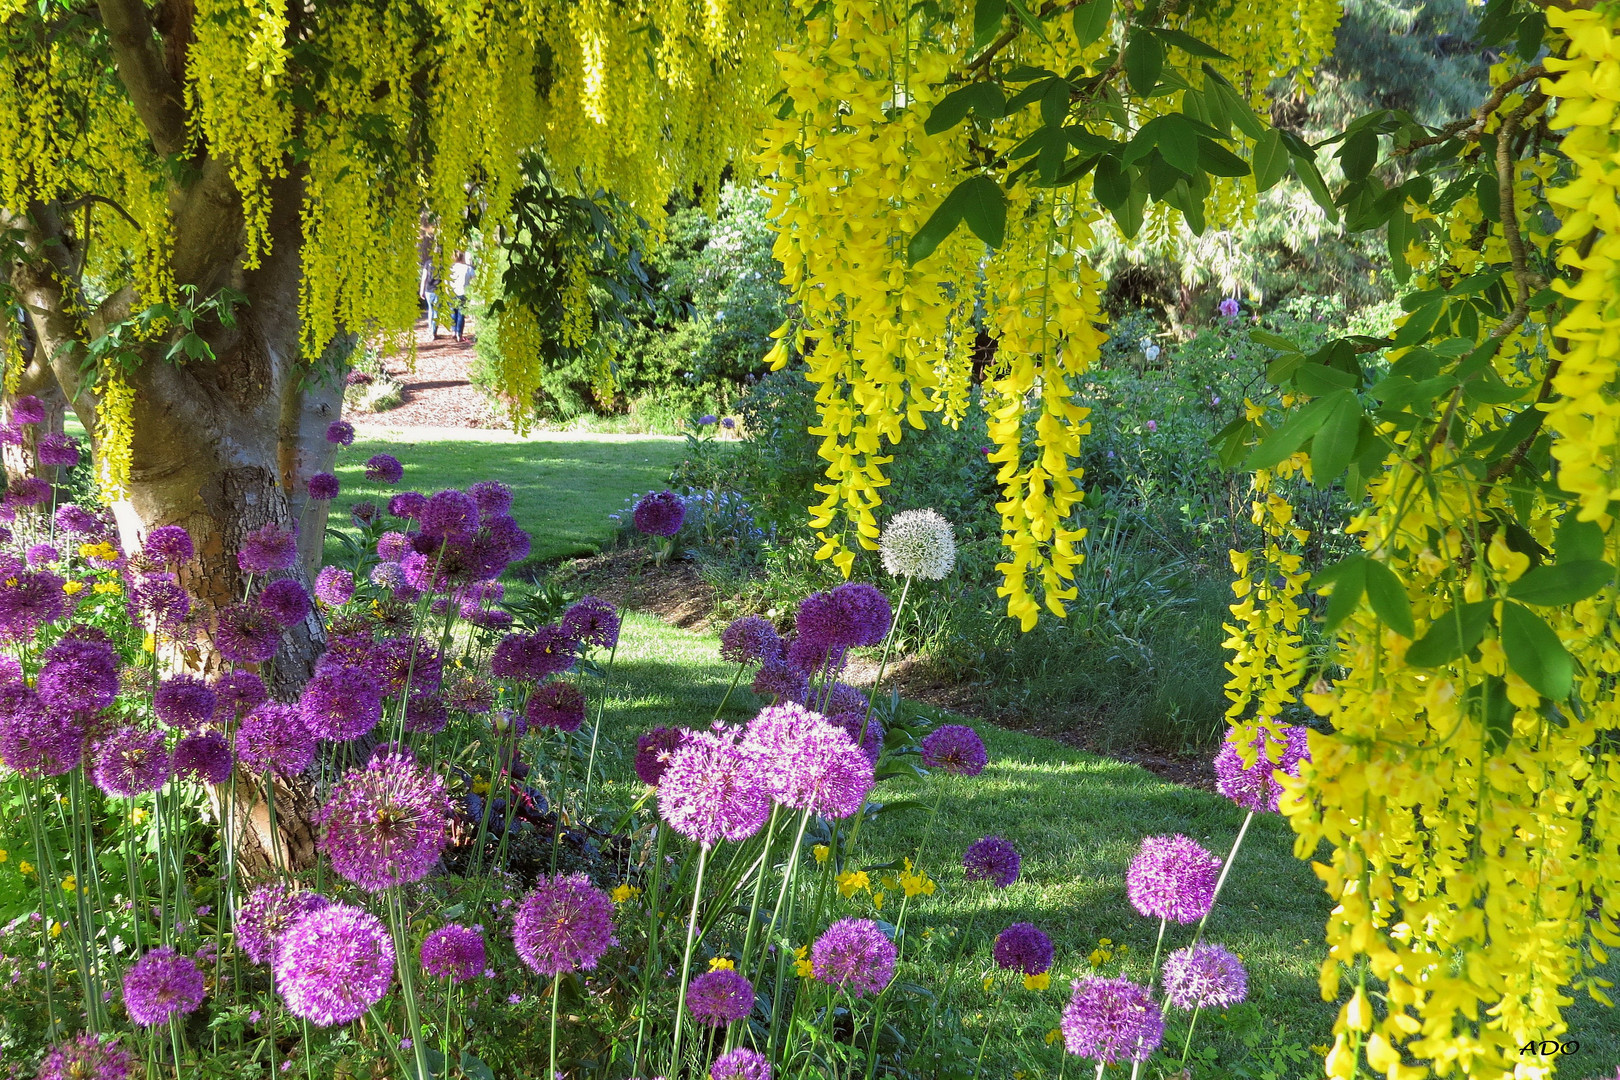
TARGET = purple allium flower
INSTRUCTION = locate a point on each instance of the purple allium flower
(706, 419)
(805, 762)
(184, 701)
(204, 758)
(393, 546)
(29, 491)
(470, 693)
(653, 751)
(28, 409)
(161, 599)
(1229, 308)
(75, 519)
(712, 789)
(749, 640)
(955, 748)
(236, 693)
(1204, 977)
(426, 714)
(41, 554)
(333, 964)
(386, 824)
(79, 676)
(870, 741)
(323, 486)
(592, 621)
(565, 923)
(992, 859)
(1152, 426)
(1172, 878)
(268, 549)
(492, 496)
(421, 573)
(547, 651)
(509, 536)
(559, 705)
(841, 697)
(160, 984)
(407, 505)
(59, 449)
(384, 469)
(1023, 947)
(334, 586)
(286, 601)
(88, 1057)
(449, 515)
(131, 762)
(33, 740)
(341, 702)
(865, 612)
(1112, 1020)
(11, 435)
(853, 954)
(270, 911)
(728, 423)
(779, 679)
(1255, 787)
(660, 513)
(397, 659)
(273, 736)
(811, 656)
(168, 545)
(246, 634)
(453, 952)
(29, 600)
(718, 997)
(389, 575)
(363, 513)
(340, 433)
(741, 1064)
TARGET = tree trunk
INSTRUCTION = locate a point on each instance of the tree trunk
(221, 448)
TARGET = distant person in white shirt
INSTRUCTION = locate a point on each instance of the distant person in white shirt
(460, 276)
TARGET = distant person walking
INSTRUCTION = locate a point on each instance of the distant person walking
(460, 277)
(429, 291)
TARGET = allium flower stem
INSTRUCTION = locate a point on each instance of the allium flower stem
(1187, 1046)
(686, 963)
(405, 960)
(883, 663)
(735, 679)
(1226, 868)
(753, 907)
(1153, 974)
(47, 900)
(275, 832)
(556, 994)
(90, 972)
(596, 728)
(654, 902)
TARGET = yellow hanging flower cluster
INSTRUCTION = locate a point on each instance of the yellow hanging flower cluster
(1468, 791)
(115, 434)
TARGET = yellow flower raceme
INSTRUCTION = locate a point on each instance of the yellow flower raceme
(851, 882)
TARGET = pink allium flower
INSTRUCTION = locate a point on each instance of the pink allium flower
(1112, 1020)
(854, 954)
(719, 997)
(453, 952)
(269, 912)
(268, 549)
(160, 984)
(741, 1064)
(334, 586)
(807, 763)
(1255, 787)
(386, 824)
(1172, 878)
(564, 924)
(333, 964)
(712, 790)
(88, 1057)
(1205, 977)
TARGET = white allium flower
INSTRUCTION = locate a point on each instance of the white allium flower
(918, 543)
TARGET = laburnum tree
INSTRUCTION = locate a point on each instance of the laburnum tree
(206, 202)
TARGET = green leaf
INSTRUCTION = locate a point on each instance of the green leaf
(1270, 161)
(1309, 175)
(1091, 21)
(1335, 442)
(1178, 142)
(1237, 106)
(1496, 711)
(474, 1067)
(1451, 635)
(1388, 599)
(1217, 160)
(984, 208)
(1348, 584)
(1562, 583)
(1112, 184)
(1319, 380)
(940, 224)
(983, 99)
(1188, 44)
(1535, 654)
(1419, 323)
(1055, 104)
(987, 16)
(1398, 235)
(1577, 540)
(1273, 341)
(1359, 154)
(1280, 444)
(1144, 61)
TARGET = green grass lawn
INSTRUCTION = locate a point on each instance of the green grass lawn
(1076, 818)
(563, 485)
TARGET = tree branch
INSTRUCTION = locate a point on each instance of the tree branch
(155, 95)
(1472, 127)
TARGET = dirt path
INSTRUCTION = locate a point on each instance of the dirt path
(439, 393)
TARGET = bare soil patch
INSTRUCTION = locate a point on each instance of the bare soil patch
(438, 389)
